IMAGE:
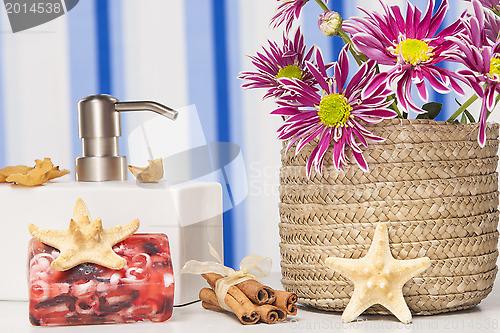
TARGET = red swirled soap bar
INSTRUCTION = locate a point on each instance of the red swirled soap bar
(93, 294)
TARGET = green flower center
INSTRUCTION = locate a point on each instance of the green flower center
(495, 67)
(414, 51)
(334, 111)
(291, 71)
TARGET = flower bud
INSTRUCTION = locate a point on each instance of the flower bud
(329, 23)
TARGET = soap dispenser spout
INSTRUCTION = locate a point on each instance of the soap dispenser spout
(147, 106)
(99, 128)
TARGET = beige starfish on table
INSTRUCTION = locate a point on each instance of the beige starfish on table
(85, 241)
(378, 278)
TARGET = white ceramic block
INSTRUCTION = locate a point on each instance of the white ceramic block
(189, 214)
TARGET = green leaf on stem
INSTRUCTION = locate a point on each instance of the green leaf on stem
(463, 107)
(469, 116)
(433, 109)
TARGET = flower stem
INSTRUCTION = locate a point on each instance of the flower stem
(360, 58)
(463, 107)
(322, 5)
(394, 106)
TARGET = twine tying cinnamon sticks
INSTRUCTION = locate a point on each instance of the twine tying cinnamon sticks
(240, 292)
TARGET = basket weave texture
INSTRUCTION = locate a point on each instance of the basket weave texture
(432, 183)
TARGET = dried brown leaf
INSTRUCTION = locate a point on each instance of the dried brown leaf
(7, 171)
(56, 173)
(150, 174)
(36, 176)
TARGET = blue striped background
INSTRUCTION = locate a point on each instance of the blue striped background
(103, 47)
(223, 115)
(214, 39)
(84, 69)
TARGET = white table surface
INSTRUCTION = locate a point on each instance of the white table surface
(193, 318)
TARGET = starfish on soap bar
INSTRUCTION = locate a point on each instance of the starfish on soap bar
(378, 278)
(85, 241)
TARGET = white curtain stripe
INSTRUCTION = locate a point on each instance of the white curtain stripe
(154, 51)
(261, 149)
(36, 93)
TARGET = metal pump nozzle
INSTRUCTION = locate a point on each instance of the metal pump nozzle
(147, 106)
(99, 128)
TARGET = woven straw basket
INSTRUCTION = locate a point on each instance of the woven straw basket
(432, 183)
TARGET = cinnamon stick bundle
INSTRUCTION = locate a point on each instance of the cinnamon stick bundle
(250, 301)
(266, 313)
(257, 292)
(245, 313)
(286, 300)
(210, 306)
(270, 313)
(234, 291)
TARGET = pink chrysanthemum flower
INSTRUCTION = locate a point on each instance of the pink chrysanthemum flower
(279, 62)
(492, 26)
(288, 11)
(411, 47)
(482, 59)
(336, 115)
(490, 4)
